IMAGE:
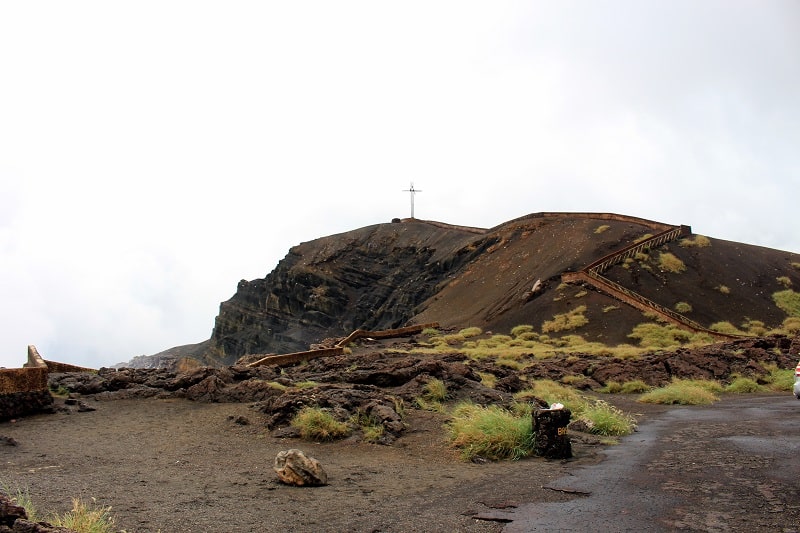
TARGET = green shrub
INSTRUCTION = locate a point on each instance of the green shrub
(435, 390)
(635, 386)
(471, 332)
(83, 518)
(489, 432)
(779, 379)
(317, 424)
(726, 327)
(755, 328)
(487, 379)
(700, 241)
(601, 229)
(683, 307)
(670, 263)
(791, 325)
(788, 301)
(785, 281)
(608, 308)
(682, 392)
(603, 418)
(611, 387)
(566, 321)
(658, 336)
(553, 392)
(743, 385)
(429, 332)
(516, 331)
(643, 238)
(723, 289)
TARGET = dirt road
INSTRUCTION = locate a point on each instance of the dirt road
(732, 466)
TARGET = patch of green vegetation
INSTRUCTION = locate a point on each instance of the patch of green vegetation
(791, 325)
(778, 379)
(723, 289)
(516, 331)
(552, 392)
(635, 386)
(373, 433)
(683, 307)
(680, 392)
(755, 327)
(601, 229)
(435, 389)
(317, 424)
(580, 294)
(306, 384)
(668, 262)
(743, 384)
(61, 391)
(700, 241)
(796, 265)
(603, 418)
(487, 379)
(490, 432)
(566, 321)
(643, 238)
(83, 518)
(429, 332)
(471, 332)
(785, 281)
(788, 301)
(599, 416)
(726, 328)
(610, 308)
(652, 335)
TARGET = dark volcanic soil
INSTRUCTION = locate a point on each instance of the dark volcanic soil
(175, 465)
(194, 451)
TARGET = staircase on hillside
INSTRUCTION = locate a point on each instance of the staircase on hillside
(592, 275)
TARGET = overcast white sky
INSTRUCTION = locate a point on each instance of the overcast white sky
(152, 154)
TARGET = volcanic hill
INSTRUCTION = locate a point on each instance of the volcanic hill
(615, 271)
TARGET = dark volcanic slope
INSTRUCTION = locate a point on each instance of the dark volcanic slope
(412, 271)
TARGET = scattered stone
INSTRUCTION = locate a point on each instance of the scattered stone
(241, 420)
(83, 407)
(295, 468)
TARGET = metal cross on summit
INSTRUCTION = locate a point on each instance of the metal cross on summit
(413, 191)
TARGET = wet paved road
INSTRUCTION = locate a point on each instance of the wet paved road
(733, 466)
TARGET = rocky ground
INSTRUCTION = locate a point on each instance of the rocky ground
(194, 451)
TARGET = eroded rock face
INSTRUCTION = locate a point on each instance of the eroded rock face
(372, 278)
(295, 468)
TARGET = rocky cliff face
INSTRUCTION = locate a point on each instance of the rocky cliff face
(371, 278)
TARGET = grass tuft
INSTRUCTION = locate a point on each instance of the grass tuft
(490, 432)
(566, 321)
(670, 263)
(317, 424)
(788, 301)
(681, 392)
(743, 385)
(602, 418)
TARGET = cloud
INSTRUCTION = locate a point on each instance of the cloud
(155, 153)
